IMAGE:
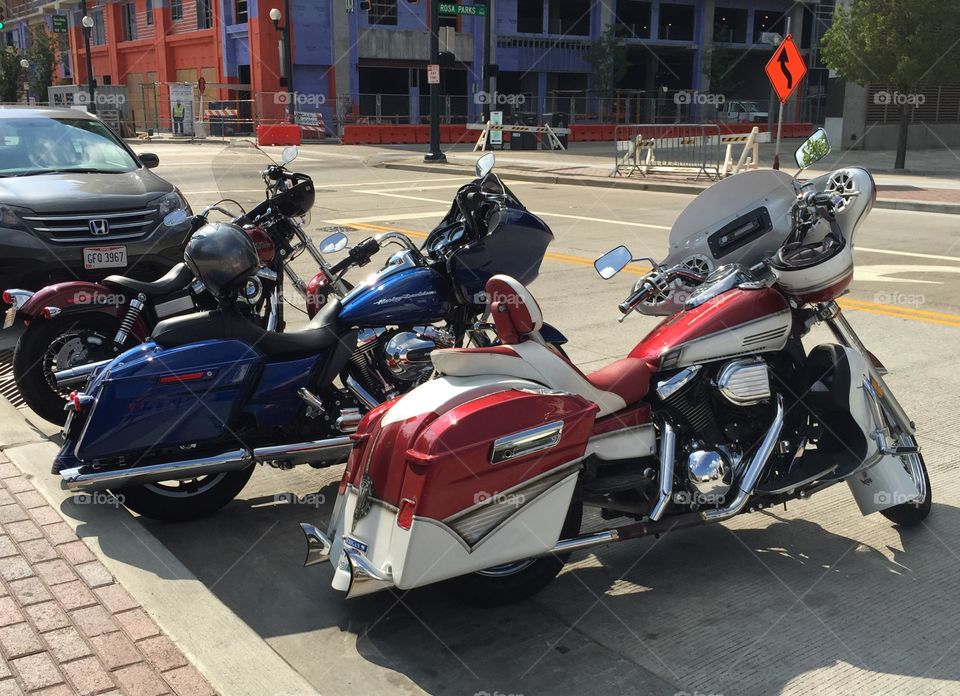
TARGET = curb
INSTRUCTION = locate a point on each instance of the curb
(655, 186)
(226, 651)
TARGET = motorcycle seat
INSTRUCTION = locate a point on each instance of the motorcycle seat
(177, 278)
(322, 332)
(526, 356)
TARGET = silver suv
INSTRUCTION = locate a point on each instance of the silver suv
(76, 202)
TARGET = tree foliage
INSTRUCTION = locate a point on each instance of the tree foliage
(12, 75)
(608, 58)
(906, 43)
(43, 54)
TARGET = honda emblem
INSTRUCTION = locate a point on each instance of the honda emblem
(99, 227)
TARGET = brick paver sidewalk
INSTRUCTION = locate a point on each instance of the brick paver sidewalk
(65, 626)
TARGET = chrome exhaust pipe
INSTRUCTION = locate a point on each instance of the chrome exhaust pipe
(752, 475)
(87, 478)
(78, 376)
(318, 545)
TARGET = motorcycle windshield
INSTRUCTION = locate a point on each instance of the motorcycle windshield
(743, 219)
(237, 171)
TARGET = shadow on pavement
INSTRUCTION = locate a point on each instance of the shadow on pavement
(710, 610)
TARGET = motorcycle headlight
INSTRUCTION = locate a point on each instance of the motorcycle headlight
(170, 202)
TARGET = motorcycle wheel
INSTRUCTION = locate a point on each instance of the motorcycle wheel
(58, 344)
(182, 501)
(911, 514)
(512, 582)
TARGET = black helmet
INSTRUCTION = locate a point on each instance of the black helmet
(298, 199)
(222, 256)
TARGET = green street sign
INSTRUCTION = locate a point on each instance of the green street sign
(59, 24)
(472, 10)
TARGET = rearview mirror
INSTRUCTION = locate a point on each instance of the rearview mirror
(613, 262)
(289, 154)
(813, 149)
(485, 165)
(148, 160)
(335, 242)
(176, 218)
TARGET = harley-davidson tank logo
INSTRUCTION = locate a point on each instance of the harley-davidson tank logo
(408, 296)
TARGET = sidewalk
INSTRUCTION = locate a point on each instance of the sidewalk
(66, 627)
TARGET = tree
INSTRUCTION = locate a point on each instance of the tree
(904, 43)
(43, 55)
(608, 58)
(11, 75)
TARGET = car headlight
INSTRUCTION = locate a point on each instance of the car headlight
(170, 202)
(12, 217)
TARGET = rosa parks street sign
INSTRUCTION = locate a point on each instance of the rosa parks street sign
(786, 68)
(475, 10)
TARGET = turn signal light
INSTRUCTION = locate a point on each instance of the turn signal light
(75, 400)
(7, 297)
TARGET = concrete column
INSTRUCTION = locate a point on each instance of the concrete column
(703, 35)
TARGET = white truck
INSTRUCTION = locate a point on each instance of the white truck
(741, 111)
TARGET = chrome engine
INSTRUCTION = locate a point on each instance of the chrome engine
(717, 412)
(388, 362)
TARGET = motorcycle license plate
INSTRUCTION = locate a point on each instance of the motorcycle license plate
(9, 316)
(104, 257)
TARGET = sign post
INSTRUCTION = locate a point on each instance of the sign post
(785, 69)
(433, 74)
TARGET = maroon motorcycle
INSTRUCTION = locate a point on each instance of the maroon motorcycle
(480, 476)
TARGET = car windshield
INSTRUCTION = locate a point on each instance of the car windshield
(749, 106)
(44, 145)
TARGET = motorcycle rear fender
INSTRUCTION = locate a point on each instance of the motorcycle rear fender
(75, 297)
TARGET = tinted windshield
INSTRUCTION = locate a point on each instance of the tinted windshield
(41, 145)
(749, 106)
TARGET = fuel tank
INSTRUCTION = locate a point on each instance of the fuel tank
(737, 322)
(409, 296)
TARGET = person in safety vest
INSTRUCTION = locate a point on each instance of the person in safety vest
(178, 118)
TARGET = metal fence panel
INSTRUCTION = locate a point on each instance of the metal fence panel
(657, 148)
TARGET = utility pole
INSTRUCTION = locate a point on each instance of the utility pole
(435, 155)
(86, 25)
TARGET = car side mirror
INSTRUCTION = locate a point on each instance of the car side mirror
(613, 262)
(335, 242)
(149, 160)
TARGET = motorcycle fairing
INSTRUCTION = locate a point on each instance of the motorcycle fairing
(443, 502)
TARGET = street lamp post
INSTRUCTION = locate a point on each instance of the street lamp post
(435, 154)
(87, 22)
(25, 64)
(275, 16)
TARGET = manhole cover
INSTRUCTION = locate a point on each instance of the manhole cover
(8, 388)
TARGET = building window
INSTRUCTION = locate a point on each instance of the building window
(767, 21)
(633, 19)
(128, 18)
(98, 36)
(530, 16)
(729, 25)
(204, 14)
(676, 22)
(149, 11)
(571, 17)
(382, 12)
(240, 12)
(176, 9)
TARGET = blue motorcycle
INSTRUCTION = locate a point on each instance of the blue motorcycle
(175, 426)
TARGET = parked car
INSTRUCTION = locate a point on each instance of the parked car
(741, 111)
(76, 202)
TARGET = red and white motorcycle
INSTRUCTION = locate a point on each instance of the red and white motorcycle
(479, 477)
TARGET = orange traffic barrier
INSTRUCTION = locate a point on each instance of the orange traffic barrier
(361, 135)
(278, 134)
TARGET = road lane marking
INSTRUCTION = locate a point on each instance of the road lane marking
(921, 315)
(914, 254)
(545, 214)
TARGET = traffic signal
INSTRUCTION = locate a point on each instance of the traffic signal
(3, 14)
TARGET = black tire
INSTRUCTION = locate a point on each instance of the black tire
(911, 514)
(187, 501)
(499, 586)
(32, 366)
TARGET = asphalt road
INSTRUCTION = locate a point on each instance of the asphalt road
(814, 598)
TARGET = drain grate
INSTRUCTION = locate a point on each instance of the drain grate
(8, 388)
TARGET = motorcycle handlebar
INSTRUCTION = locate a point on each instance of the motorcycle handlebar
(657, 281)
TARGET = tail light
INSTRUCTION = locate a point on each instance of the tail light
(78, 401)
